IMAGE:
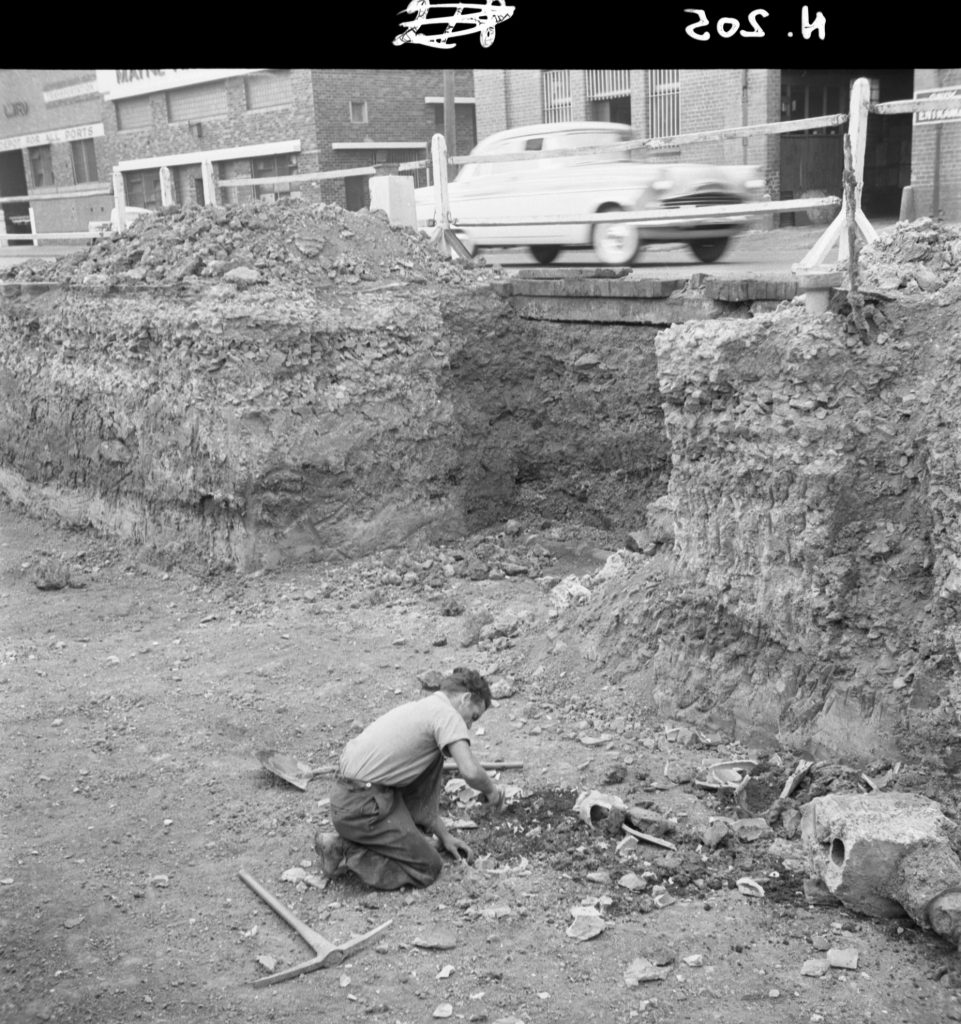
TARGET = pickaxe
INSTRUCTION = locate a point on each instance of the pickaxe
(327, 954)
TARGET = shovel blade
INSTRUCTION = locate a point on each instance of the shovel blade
(285, 767)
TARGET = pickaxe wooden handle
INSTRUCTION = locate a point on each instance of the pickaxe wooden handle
(327, 954)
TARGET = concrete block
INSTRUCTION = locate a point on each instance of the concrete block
(882, 854)
(394, 193)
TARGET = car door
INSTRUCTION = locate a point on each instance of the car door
(489, 192)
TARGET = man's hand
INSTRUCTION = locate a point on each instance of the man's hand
(457, 848)
(497, 799)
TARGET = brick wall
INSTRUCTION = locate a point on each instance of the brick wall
(396, 112)
(239, 127)
(924, 148)
(490, 92)
(24, 111)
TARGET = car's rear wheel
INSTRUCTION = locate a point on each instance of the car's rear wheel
(707, 250)
(615, 244)
(545, 253)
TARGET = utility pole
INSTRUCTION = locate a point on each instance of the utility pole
(450, 115)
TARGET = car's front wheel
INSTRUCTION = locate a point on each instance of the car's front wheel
(545, 253)
(707, 250)
(615, 244)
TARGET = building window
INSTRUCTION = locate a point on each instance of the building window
(84, 161)
(358, 111)
(275, 166)
(556, 95)
(609, 95)
(664, 96)
(133, 113)
(41, 166)
(143, 189)
(197, 101)
(269, 89)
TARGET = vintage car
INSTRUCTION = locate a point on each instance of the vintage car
(566, 189)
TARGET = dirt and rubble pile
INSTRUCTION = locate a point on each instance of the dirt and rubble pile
(811, 593)
(920, 255)
(295, 244)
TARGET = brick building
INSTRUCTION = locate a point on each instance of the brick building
(72, 130)
(51, 144)
(901, 150)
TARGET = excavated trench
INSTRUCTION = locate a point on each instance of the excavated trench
(266, 386)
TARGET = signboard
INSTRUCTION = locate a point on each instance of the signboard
(119, 83)
(937, 116)
(78, 90)
(80, 131)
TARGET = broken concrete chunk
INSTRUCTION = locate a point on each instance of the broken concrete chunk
(641, 971)
(749, 830)
(883, 854)
(843, 958)
(632, 881)
(587, 923)
(436, 940)
(815, 968)
(714, 834)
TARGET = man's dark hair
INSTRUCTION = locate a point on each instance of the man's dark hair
(467, 680)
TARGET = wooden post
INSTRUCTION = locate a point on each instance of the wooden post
(120, 199)
(210, 183)
(835, 233)
(166, 187)
(438, 149)
(448, 243)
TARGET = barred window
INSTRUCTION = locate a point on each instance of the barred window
(84, 160)
(607, 85)
(556, 95)
(41, 166)
(197, 101)
(133, 113)
(664, 97)
(271, 88)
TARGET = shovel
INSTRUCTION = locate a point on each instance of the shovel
(288, 768)
(298, 774)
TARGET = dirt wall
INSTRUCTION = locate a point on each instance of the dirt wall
(810, 596)
(255, 427)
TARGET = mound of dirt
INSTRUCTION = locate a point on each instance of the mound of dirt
(920, 255)
(296, 243)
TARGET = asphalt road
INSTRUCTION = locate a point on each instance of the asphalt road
(751, 253)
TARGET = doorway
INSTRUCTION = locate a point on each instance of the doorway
(813, 161)
(13, 182)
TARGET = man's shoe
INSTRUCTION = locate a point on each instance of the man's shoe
(330, 851)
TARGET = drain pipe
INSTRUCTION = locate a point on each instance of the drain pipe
(744, 113)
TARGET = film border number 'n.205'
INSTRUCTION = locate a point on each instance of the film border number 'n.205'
(755, 25)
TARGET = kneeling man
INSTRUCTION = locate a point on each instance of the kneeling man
(385, 800)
